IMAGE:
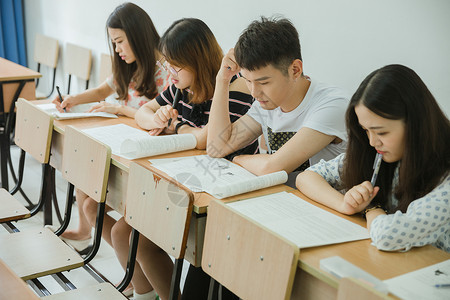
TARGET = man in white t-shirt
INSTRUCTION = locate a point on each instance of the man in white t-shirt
(302, 120)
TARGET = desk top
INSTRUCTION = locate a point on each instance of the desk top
(381, 264)
(12, 286)
(201, 200)
(10, 71)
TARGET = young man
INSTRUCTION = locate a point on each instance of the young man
(302, 120)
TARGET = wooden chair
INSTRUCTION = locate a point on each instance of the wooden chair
(78, 62)
(12, 287)
(353, 289)
(246, 258)
(160, 209)
(36, 253)
(46, 51)
(95, 292)
(105, 67)
(33, 135)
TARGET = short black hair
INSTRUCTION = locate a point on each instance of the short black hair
(268, 41)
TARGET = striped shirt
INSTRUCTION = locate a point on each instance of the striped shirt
(197, 115)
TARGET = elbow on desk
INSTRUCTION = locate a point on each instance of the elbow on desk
(213, 151)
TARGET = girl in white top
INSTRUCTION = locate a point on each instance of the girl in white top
(392, 113)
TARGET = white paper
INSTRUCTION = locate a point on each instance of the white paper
(302, 223)
(216, 176)
(76, 112)
(420, 284)
(137, 143)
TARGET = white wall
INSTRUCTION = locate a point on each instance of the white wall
(342, 41)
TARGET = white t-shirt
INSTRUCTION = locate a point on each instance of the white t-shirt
(322, 109)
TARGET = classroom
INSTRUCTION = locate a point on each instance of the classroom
(162, 196)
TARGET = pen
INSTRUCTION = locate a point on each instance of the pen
(176, 99)
(60, 97)
(376, 168)
(442, 285)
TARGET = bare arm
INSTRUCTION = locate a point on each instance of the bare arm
(92, 95)
(199, 133)
(291, 155)
(353, 201)
(145, 115)
(225, 137)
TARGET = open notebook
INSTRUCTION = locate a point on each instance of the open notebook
(216, 176)
(78, 111)
(132, 143)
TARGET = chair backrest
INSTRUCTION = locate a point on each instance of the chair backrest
(33, 131)
(105, 67)
(158, 208)
(46, 50)
(86, 163)
(353, 289)
(77, 61)
(246, 258)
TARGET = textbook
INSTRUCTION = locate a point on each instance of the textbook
(131, 143)
(216, 176)
(299, 221)
(76, 112)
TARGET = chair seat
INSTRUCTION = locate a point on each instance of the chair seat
(35, 253)
(99, 291)
(10, 208)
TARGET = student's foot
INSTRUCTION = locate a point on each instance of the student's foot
(76, 235)
(147, 296)
(128, 291)
(81, 246)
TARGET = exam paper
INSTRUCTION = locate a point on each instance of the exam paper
(302, 223)
(420, 284)
(216, 176)
(77, 112)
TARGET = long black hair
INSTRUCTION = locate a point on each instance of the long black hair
(143, 39)
(396, 92)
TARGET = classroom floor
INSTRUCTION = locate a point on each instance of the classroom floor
(104, 262)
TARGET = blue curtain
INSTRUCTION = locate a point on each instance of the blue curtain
(12, 31)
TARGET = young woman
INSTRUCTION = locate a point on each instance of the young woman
(193, 57)
(136, 79)
(392, 113)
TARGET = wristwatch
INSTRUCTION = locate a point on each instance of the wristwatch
(372, 207)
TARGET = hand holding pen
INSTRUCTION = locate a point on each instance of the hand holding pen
(176, 99)
(360, 196)
(60, 97)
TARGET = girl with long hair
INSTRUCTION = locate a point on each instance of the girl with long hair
(394, 114)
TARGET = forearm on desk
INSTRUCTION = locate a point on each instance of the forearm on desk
(93, 95)
(199, 133)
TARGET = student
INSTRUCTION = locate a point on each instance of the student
(136, 79)
(302, 120)
(193, 57)
(392, 113)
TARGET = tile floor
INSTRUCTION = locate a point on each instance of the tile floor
(105, 261)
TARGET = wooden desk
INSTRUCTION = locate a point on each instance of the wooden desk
(313, 283)
(118, 178)
(12, 286)
(15, 81)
